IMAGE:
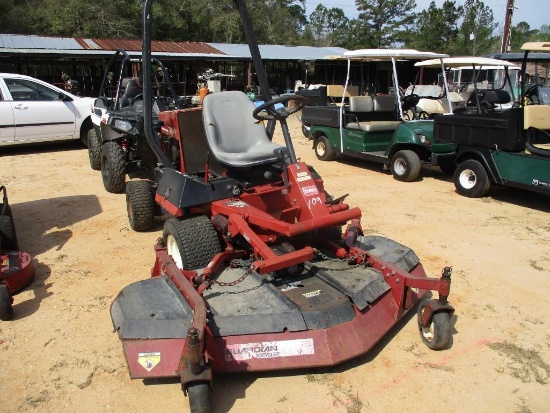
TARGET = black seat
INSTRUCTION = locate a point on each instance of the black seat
(133, 89)
(235, 138)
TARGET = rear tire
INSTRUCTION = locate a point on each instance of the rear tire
(323, 150)
(6, 308)
(94, 150)
(192, 242)
(113, 167)
(8, 239)
(199, 397)
(405, 165)
(471, 179)
(140, 205)
(437, 334)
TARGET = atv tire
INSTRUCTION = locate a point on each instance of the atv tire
(94, 150)
(405, 165)
(140, 204)
(113, 167)
(8, 238)
(192, 242)
(471, 179)
(323, 150)
(6, 307)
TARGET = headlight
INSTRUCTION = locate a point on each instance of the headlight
(424, 140)
(122, 125)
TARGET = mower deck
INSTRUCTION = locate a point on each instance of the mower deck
(331, 312)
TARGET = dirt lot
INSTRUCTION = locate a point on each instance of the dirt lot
(60, 354)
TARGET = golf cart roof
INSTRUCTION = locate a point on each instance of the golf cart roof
(387, 54)
(536, 46)
(464, 61)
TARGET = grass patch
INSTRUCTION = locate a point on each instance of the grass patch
(527, 365)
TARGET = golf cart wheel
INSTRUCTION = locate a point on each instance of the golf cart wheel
(8, 239)
(192, 242)
(471, 179)
(94, 150)
(323, 151)
(6, 308)
(438, 333)
(199, 397)
(405, 165)
(113, 170)
(140, 205)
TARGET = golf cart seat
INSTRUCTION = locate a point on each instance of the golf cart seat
(379, 110)
(132, 89)
(489, 98)
(235, 138)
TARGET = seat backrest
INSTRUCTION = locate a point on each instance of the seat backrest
(361, 104)
(336, 91)
(536, 116)
(384, 103)
(234, 136)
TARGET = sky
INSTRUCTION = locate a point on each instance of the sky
(526, 10)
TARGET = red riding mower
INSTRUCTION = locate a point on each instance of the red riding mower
(253, 272)
(16, 270)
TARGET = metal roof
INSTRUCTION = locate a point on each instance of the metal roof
(279, 52)
(31, 45)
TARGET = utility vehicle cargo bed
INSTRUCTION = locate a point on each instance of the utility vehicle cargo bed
(499, 129)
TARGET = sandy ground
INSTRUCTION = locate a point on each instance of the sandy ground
(60, 354)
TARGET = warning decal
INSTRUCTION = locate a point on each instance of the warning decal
(149, 360)
(269, 349)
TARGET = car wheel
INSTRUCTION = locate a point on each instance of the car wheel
(405, 165)
(140, 204)
(94, 150)
(6, 307)
(471, 179)
(323, 150)
(437, 334)
(113, 168)
(192, 242)
(8, 239)
(199, 397)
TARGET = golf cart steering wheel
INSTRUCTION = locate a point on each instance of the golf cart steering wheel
(278, 114)
(410, 101)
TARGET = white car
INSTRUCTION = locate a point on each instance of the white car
(35, 111)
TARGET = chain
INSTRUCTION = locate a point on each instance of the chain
(236, 264)
(363, 262)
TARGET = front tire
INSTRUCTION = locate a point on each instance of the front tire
(405, 165)
(437, 334)
(140, 205)
(6, 307)
(113, 167)
(94, 150)
(192, 242)
(471, 179)
(199, 397)
(8, 239)
(323, 150)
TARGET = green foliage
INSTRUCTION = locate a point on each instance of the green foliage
(384, 23)
(328, 27)
(475, 35)
(437, 28)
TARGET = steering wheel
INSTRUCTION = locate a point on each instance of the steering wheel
(278, 114)
(532, 92)
(410, 101)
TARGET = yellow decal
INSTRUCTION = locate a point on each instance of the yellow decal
(149, 360)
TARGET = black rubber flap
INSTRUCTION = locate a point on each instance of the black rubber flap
(389, 251)
(150, 309)
(252, 306)
(362, 285)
